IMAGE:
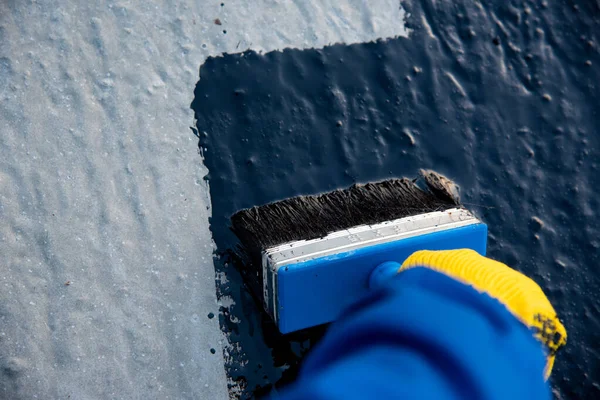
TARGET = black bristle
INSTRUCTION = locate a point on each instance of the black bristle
(311, 217)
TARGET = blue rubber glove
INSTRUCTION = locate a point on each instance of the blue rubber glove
(425, 335)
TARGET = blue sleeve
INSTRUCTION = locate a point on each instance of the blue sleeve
(423, 336)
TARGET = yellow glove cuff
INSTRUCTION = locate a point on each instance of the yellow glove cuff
(521, 295)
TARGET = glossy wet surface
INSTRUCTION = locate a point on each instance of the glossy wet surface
(503, 99)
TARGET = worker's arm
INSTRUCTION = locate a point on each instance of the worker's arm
(426, 335)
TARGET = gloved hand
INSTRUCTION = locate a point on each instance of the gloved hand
(521, 295)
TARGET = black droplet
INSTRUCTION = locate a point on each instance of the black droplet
(496, 41)
(224, 31)
(211, 315)
(222, 4)
(213, 351)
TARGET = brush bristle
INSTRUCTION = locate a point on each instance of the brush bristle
(311, 217)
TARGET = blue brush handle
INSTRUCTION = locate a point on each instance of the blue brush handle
(317, 291)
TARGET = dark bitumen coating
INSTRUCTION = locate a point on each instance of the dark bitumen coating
(514, 121)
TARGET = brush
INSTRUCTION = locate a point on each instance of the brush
(312, 256)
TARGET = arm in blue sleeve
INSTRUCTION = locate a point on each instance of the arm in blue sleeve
(424, 335)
